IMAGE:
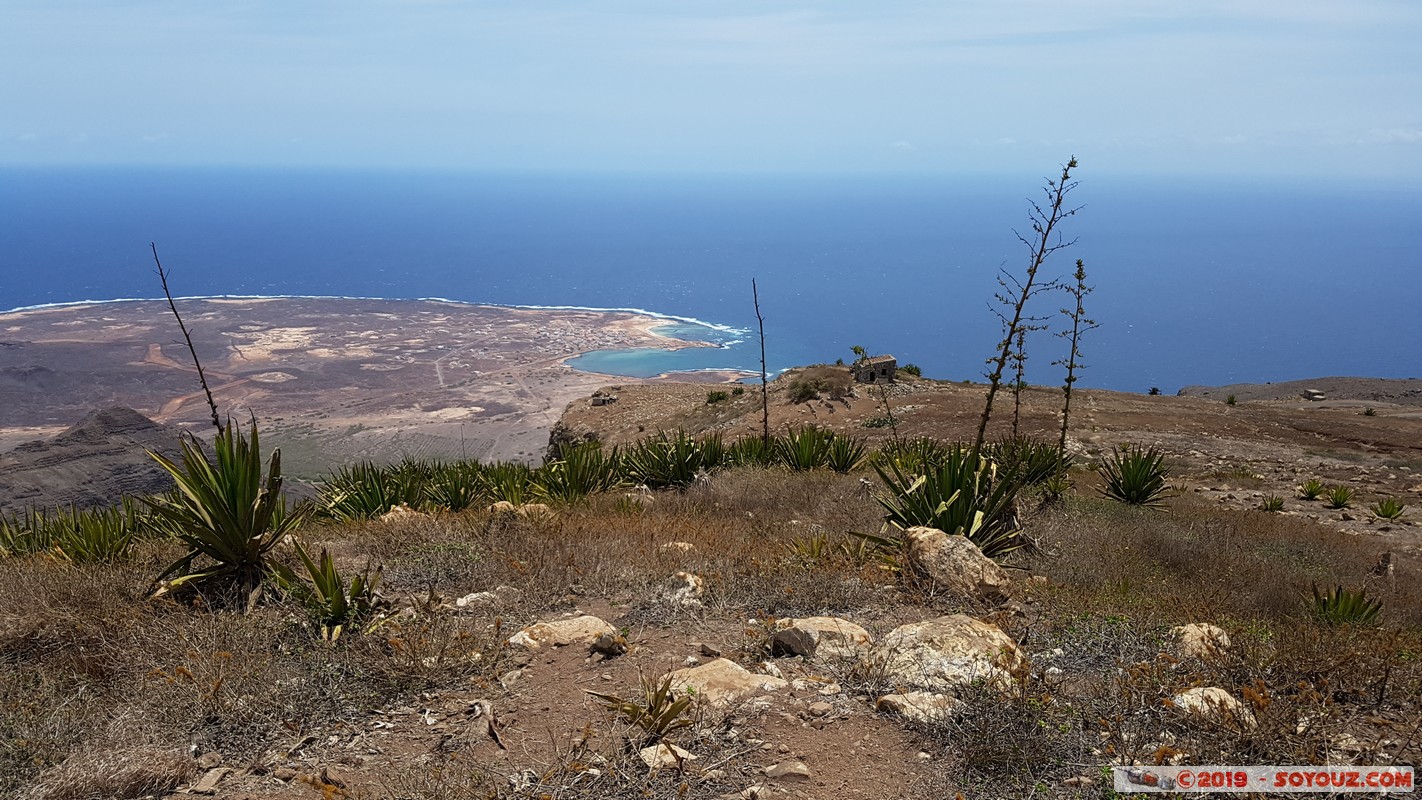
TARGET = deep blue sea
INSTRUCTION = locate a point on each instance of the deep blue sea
(1197, 281)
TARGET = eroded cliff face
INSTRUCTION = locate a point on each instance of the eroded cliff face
(93, 463)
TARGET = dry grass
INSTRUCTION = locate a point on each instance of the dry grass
(87, 664)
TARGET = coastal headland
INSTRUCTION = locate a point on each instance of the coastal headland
(331, 380)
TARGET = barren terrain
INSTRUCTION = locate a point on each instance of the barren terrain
(331, 380)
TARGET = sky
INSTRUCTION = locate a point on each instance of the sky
(1325, 88)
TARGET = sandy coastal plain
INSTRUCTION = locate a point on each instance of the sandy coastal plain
(330, 380)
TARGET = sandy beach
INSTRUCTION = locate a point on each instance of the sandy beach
(330, 380)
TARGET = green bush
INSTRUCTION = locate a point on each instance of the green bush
(738, 391)
(1370, 412)
(803, 391)
(1135, 476)
(1229, 401)
(716, 396)
(1272, 504)
(912, 369)
(228, 514)
(1311, 489)
(508, 481)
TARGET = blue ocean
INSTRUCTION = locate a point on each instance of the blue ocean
(1199, 281)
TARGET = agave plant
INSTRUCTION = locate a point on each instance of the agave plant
(509, 481)
(333, 603)
(455, 487)
(1311, 489)
(583, 470)
(1345, 607)
(664, 461)
(1039, 460)
(752, 451)
(1272, 503)
(962, 493)
(228, 514)
(661, 711)
(804, 448)
(29, 532)
(1339, 497)
(845, 453)
(366, 490)
(99, 534)
(1388, 508)
(1135, 476)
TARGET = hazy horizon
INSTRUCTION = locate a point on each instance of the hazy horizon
(1250, 89)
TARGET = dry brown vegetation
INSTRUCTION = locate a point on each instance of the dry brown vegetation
(104, 693)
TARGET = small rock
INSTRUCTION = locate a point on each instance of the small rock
(1080, 781)
(710, 650)
(207, 784)
(560, 633)
(820, 709)
(284, 774)
(684, 590)
(680, 547)
(609, 644)
(788, 771)
(919, 706)
(723, 682)
(209, 760)
(956, 564)
(941, 654)
(664, 755)
(823, 637)
(1201, 640)
(1214, 703)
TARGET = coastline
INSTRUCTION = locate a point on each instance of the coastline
(333, 379)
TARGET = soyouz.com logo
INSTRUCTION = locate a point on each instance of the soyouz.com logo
(1393, 780)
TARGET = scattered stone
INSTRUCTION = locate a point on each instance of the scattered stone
(710, 650)
(207, 784)
(1201, 640)
(1080, 781)
(788, 771)
(560, 633)
(684, 590)
(1214, 703)
(401, 513)
(535, 511)
(723, 682)
(820, 709)
(919, 706)
(499, 597)
(939, 655)
(664, 755)
(209, 760)
(680, 547)
(284, 774)
(823, 637)
(609, 645)
(503, 507)
(956, 564)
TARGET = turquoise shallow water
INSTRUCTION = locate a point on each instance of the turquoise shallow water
(648, 362)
